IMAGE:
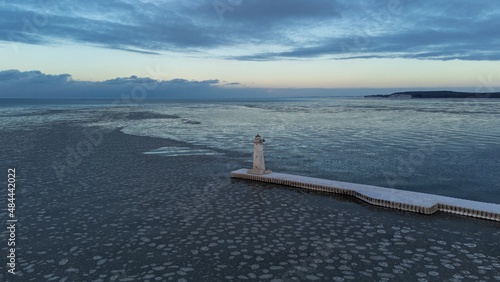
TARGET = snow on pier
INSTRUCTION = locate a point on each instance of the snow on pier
(380, 196)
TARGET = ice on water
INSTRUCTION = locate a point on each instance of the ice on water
(197, 224)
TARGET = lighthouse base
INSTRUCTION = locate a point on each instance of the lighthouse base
(258, 171)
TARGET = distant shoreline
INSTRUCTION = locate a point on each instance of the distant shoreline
(435, 94)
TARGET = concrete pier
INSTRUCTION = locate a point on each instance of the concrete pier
(380, 196)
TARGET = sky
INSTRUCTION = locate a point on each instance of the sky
(246, 48)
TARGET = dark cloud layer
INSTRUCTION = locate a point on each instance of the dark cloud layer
(34, 77)
(35, 84)
(334, 29)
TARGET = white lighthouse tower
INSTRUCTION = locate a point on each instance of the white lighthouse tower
(259, 167)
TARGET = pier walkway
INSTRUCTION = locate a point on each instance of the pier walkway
(380, 196)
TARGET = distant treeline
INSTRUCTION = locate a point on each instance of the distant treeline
(437, 94)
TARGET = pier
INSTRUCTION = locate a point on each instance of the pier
(380, 196)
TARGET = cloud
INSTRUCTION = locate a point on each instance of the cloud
(415, 30)
(32, 77)
(262, 12)
(35, 84)
(129, 80)
(265, 30)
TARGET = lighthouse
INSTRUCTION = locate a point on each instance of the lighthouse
(259, 166)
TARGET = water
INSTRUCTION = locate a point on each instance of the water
(133, 207)
(445, 146)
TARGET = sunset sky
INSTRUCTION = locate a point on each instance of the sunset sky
(247, 47)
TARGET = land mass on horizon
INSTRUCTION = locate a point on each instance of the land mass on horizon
(436, 94)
